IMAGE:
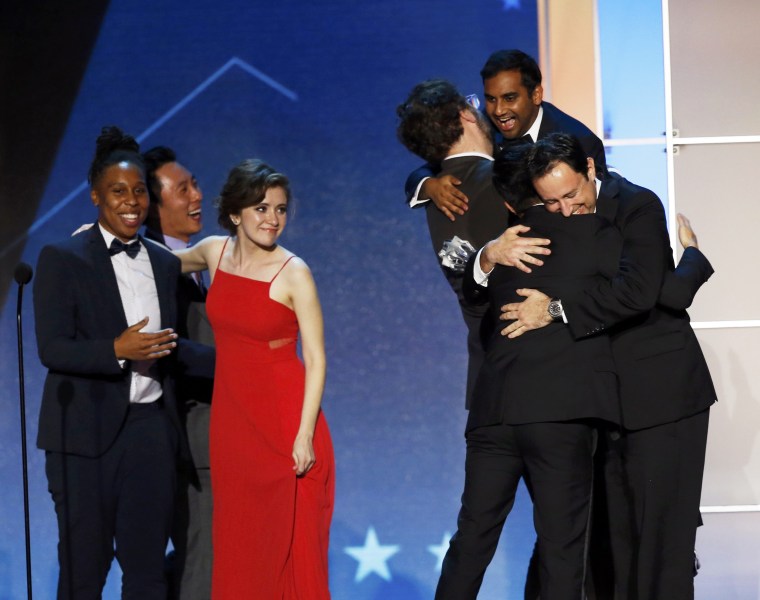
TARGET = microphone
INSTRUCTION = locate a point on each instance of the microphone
(23, 275)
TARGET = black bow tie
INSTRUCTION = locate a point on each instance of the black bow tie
(118, 246)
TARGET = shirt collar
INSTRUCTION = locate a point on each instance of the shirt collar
(461, 154)
(175, 243)
(109, 237)
(598, 184)
(533, 131)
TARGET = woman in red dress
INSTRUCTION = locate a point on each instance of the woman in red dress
(272, 466)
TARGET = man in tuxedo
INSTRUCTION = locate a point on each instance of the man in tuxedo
(523, 423)
(105, 312)
(654, 464)
(437, 124)
(174, 216)
(515, 106)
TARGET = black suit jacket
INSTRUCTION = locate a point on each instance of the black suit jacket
(545, 375)
(554, 120)
(486, 219)
(78, 314)
(663, 373)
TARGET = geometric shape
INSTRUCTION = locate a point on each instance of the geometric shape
(439, 550)
(372, 556)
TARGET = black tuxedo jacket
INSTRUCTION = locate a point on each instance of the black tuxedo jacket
(554, 120)
(663, 373)
(546, 375)
(78, 314)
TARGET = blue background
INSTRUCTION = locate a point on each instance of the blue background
(311, 88)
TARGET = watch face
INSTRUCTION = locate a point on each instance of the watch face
(555, 311)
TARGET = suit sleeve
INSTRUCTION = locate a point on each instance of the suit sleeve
(195, 359)
(635, 287)
(680, 286)
(60, 344)
(415, 177)
(473, 293)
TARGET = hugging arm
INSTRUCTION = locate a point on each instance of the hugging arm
(635, 287)
(424, 184)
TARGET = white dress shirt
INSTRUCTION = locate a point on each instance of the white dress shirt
(139, 298)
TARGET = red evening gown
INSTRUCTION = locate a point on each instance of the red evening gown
(270, 528)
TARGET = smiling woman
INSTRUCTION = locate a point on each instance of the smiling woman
(105, 305)
(117, 179)
(268, 437)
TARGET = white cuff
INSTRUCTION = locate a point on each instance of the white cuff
(415, 201)
(480, 277)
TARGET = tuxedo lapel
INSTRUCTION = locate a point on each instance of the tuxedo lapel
(547, 123)
(105, 284)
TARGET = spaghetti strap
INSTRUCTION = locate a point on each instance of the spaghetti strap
(281, 268)
(219, 262)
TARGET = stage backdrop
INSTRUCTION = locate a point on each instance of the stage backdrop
(310, 87)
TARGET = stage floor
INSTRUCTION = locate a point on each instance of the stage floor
(728, 545)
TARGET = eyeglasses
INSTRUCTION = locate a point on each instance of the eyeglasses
(473, 100)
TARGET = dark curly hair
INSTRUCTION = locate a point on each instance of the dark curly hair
(112, 147)
(430, 122)
(246, 185)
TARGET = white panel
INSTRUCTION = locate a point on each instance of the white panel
(714, 188)
(732, 470)
(729, 550)
(716, 82)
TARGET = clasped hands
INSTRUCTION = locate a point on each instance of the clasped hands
(512, 250)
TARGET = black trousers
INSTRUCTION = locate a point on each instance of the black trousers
(653, 483)
(121, 500)
(556, 459)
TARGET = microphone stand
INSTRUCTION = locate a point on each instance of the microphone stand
(23, 442)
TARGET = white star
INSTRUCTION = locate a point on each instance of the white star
(372, 556)
(510, 4)
(439, 550)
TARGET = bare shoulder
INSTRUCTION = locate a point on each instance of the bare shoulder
(212, 241)
(296, 271)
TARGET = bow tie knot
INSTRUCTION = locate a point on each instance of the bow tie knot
(117, 246)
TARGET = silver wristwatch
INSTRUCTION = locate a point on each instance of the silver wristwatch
(555, 308)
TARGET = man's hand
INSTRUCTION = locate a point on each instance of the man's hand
(512, 250)
(445, 195)
(134, 345)
(686, 234)
(531, 313)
